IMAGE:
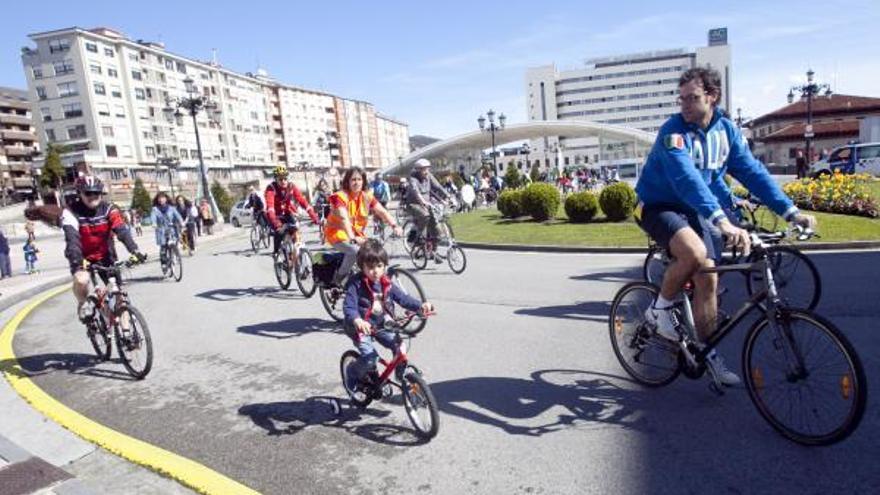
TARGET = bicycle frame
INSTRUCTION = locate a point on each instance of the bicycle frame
(400, 358)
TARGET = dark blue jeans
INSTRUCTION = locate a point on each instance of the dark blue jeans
(365, 345)
(5, 266)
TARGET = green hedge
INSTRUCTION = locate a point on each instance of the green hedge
(541, 201)
(510, 203)
(618, 201)
(581, 207)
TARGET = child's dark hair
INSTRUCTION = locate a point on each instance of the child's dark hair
(372, 253)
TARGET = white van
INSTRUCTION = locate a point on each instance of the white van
(850, 159)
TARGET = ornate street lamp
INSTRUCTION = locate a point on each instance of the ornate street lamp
(492, 129)
(526, 149)
(194, 103)
(809, 91)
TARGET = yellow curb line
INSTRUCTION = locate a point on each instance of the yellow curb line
(187, 472)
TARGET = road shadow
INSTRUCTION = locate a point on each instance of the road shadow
(247, 252)
(622, 275)
(587, 310)
(523, 406)
(73, 363)
(291, 327)
(147, 279)
(289, 418)
(235, 294)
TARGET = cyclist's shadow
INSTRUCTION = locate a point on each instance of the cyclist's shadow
(523, 407)
(73, 363)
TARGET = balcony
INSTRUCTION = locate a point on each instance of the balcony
(18, 136)
(18, 150)
(9, 118)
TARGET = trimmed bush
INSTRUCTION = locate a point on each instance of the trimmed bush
(541, 201)
(510, 203)
(512, 177)
(618, 201)
(581, 207)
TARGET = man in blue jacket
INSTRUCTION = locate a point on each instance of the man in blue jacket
(682, 192)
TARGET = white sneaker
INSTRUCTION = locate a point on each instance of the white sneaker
(665, 321)
(719, 369)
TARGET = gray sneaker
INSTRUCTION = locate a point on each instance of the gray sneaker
(666, 322)
(719, 369)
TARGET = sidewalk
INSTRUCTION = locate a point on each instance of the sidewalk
(37, 456)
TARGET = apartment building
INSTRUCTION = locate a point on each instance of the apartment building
(18, 144)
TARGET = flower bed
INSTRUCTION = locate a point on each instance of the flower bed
(837, 193)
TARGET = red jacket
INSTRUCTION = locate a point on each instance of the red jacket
(279, 202)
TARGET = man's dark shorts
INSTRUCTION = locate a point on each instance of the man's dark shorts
(661, 222)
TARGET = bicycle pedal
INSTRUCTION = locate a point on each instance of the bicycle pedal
(387, 391)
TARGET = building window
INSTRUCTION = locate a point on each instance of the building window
(38, 72)
(72, 110)
(103, 109)
(76, 132)
(169, 64)
(133, 57)
(107, 130)
(50, 135)
(125, 151)
(46, 112)
(181, 67)
(151, 152)
(109, 52)
(41, 92)
(139, 93)
(63, 67)
(112, 72)
(115, 91)
(136, 75)
(111, 151)
(120, 111)
(59, 45)
(67, 89)
(100, 89)
(91, 47)
(95, 68)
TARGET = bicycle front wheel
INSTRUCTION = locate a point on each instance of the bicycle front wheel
(99, 335)
(256, 238)
(305, 279)
(456, 258)
(134, 343)
(410, 234)
(804, 377)
(420, 405)
(419, 257)
(175, 264)
(650, 359)
(282, 268)
(407, 282)
(795, 275)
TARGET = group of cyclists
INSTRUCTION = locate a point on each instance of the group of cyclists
(684, 205)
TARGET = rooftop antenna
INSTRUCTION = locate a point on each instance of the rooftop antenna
(214, 56)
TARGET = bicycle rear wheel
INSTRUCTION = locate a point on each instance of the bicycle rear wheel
(655, 265)
(420, 405)
(805, 378)
(332, 299)
(456, 258)
(795, 275)
(408, 283)
(304, 272)
(135, 345)
(650, 359)
(346, 366)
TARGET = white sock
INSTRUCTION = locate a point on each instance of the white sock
(662, 302)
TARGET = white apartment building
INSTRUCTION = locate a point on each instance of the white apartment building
(393, 138)
(102, 96)
(358, 133)
(636, 90)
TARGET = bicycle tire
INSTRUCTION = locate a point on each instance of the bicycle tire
(765, 220)
(416, 393)
(418, 257)
(99, 336)
(655, 265)
(407, 242)
(282, 268)
(641, 339)
(852, 381)
(139, 337)
(256, 238)
(397, 275)
(805, 293)
(176, 260)
(455, 253)
(163, 255)
(358, 398)
(332, 303)
(305, 277)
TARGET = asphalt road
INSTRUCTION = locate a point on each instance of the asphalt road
(532, 398)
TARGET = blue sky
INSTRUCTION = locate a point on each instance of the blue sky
(438, 65)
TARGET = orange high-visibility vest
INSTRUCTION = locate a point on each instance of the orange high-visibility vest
(358, 213)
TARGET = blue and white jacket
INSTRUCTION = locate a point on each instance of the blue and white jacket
(687, 164)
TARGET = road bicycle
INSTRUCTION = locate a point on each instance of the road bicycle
(400, 373)
(443, 248)
(333, 295)
(294, 260)
(112, 315)
(169, 255)
(800, 371)
(259, 234)
(797, 278)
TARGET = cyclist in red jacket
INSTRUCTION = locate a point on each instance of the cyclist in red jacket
(280, 206)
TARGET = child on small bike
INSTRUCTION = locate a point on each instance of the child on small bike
(369, 302)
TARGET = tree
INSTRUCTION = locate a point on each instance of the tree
(53, 170)
(140, 199)
(224, 200)
(511, 177)
(535, 173)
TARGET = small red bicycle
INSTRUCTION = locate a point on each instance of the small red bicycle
(421, 407)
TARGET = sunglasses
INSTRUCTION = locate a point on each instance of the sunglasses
(91, 194)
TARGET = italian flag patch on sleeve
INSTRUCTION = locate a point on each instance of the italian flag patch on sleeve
(674, 142)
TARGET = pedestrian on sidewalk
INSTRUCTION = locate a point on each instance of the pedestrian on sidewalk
(207, 216)
(5, 264)
(195, 218)
(29, 228)
(30, 257)
(136, 222)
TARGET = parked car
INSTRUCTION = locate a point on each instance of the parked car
(850, 159)
(240, 215)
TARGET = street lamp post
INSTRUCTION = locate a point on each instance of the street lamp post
(527, 150)
(492, 129)
(169, 162)
(808, 91)
(193, 104)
